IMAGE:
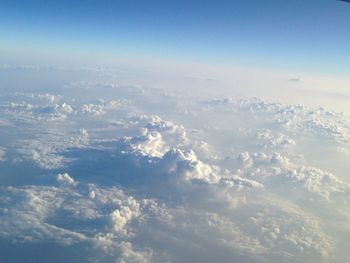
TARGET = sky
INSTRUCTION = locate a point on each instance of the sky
(174, 131)
(293, 35)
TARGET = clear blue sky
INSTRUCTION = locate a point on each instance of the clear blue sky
(289, 34)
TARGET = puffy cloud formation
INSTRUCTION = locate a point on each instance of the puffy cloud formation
(102, 107)
(318, 182)
(112, 224)
(148, 143)
(296, 118)
(65, 179)
(270, 140)
(94, 109)
(134, 174)
(45, 151)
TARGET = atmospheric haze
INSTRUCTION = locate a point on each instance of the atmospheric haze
(174, 132)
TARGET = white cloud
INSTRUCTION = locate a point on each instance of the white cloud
(65, 179)
(121, 222)
(222, 180)
(147, 144)
(102, 107)
(93, 109)
(318, 182)
(270, 140)
(47, 150)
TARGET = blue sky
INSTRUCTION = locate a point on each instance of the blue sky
(289, 34)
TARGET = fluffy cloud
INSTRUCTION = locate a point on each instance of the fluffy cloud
(147, 144)
(120, 178)
(270, 140)
(46, 150)
(318, 182)
(93, 109)
(319, 121)
(65, 179)
(111, 224)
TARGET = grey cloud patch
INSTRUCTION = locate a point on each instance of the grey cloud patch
(2, 154)
(295, 80)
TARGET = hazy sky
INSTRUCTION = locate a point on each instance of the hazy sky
(310, 35)
(174, 131)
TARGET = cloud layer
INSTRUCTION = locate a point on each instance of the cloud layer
(143, 175)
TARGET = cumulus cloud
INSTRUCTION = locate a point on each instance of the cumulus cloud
(304, 185)
(147, 144)
(179, 165)
(93, 109)
(120, 223)
(318, 182)
(46, 151)
(102, 107)
(65, 179)
(119, 178)
(270, 140)
(319, 121)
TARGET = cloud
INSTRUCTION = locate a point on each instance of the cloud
(36, 215)
(295, 80)
(147, 144)
(120, 178)
(308, 184)
(318, 182)
(65, 179)
(31, 112)
(179, 165)
(2, 154)
(93, 109)
(112, 224)
(270, 140)
(46, 150)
